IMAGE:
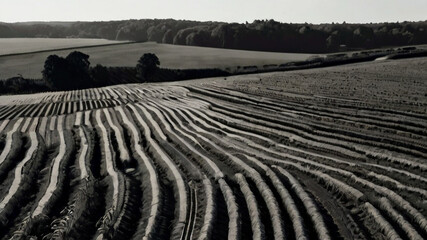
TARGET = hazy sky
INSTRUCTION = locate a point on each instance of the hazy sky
(312, 11)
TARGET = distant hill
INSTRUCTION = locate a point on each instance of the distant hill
(64, 24)
(260, 35)
(126, 55)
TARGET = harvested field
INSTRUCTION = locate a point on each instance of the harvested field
(333, 153)
(126, 55)
(25, 45)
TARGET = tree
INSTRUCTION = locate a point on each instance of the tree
(69, 73)
(100, 76)
(55, 72)
(78, 69)
(147, 66)
(79, 60)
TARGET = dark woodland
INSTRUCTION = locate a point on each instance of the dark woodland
(260, 35)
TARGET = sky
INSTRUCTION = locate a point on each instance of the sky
(289, 11)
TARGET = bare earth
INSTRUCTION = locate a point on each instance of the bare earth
(332, 153)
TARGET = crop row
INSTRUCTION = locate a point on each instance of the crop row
(204, 162)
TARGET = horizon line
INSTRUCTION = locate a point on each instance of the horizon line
(229, 22)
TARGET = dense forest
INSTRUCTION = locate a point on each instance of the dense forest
(260, 35)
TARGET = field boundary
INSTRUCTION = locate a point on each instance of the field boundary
(67, 48)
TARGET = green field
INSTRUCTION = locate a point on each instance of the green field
(171, 56)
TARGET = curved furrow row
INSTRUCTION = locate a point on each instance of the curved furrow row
(383, 119)
(37, 111)
(34, 125)
(148, 222)
(382, 178)
(65, 148)
(32, 108)
(124, 154)
(398, 200)
(309, 205)
(116, 188)
(331, 130)
(268, 104)
(288, 203)
(210, 211)
(398, 185)
(411, 176)
(26, 124)
(234, 227)
(201, 157)
(290, 206)
(125, 225)
(260, 137)
(11, 151)
(178, 182)
(332, 184)
(222, 109)
(41, 110)
(19, 113)
(302, 136)
(192, 213)
(186, 166)
(355, 194)
(368, 166)
(254, 212)
(264, 190)
(87, 121)
(43, 126)
(384, 225)
(3, 109)
(110, 93)
(35, 221)
(204, 117)
(3, 125)
(409, 230)
(205, 162)
(79, 118)
(407, 206)
(209, 161)
(261, 129)
(49, 110)
(73, 221)
(417, 217)
(7, 111)
(23, 173)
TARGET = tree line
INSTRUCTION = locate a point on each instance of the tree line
(74, 72)
(260, 35)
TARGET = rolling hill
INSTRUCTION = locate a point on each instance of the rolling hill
(331, 153)
(171, 56)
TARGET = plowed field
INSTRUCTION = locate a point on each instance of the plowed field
(334, 153)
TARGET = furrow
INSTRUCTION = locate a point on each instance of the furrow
(176, 175)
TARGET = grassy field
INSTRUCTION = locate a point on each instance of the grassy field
(171, 56)
(332, 153)
(25, 45)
